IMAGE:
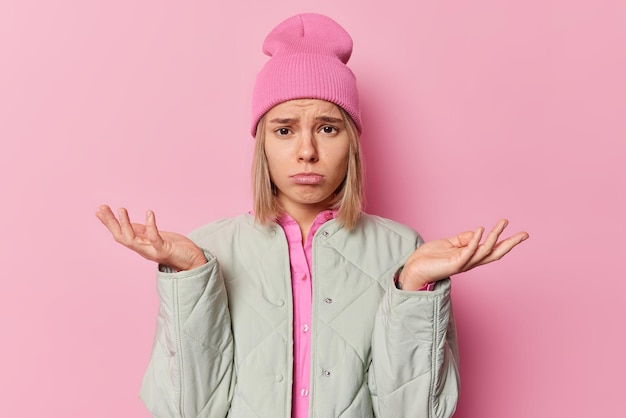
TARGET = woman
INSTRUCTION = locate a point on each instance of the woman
(309, 307)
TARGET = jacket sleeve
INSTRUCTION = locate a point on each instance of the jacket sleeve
(414, 369)
(190, 373)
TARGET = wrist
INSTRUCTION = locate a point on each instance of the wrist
(197, 263)
(402, 283)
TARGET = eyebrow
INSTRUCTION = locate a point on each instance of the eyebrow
(329, 119)
(287, 121)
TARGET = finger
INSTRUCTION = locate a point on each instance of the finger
(471, 246)
(128, 234)
(478, 234)
(152, 232)
(106, 216)
(495, 233)
(487, 247)
(502, 248)
(464, 238)
(102, 209)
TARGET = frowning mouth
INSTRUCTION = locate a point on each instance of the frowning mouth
(307, 178)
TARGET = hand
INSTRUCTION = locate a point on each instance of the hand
(436, 260)
(168, 248)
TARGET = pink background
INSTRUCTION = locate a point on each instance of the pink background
(473, 111)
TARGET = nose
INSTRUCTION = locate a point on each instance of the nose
(307, 151)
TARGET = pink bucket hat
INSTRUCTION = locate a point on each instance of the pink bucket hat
(308, 60)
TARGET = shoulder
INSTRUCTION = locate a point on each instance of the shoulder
(375, 241)
(376, 246)
(240, 243)
(372, 224)
(229, 228)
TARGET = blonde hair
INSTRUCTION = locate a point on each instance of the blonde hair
(348, 196)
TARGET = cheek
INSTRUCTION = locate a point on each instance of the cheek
(341, 158)
(340, 168)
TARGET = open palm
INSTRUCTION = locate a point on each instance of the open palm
(168, 248)
(438, 259)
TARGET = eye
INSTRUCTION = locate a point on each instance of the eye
(329, 130)
(283, 131)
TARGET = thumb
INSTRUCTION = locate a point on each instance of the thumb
(152, 232)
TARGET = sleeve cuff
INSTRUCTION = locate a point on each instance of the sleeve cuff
(426, 287)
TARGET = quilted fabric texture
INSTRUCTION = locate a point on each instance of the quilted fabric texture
(224, 337)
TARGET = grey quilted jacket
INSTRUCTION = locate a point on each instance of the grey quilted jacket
(223, 344)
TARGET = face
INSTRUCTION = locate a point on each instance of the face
(307, 145)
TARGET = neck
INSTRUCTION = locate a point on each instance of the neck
(304, 217)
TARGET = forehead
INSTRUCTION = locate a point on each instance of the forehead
(303, 107)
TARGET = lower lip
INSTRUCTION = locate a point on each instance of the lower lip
(307, 179)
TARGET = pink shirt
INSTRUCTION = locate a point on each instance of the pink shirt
(300, 260)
